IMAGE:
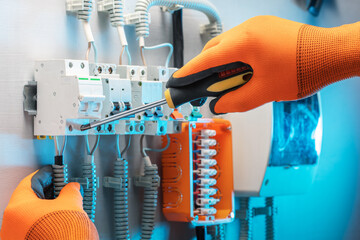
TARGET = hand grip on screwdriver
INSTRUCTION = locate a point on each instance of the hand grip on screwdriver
(211, 86)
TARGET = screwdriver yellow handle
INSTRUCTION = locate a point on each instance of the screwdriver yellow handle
(212, 86)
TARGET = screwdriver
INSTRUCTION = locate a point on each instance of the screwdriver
(214, 85)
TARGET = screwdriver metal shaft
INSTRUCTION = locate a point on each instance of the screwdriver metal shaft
(122, 115)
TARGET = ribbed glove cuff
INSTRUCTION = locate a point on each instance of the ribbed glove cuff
(326, 55)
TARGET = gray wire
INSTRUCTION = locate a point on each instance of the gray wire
(94, 147)
(56, 146)
(152, 149)
(121, 153)
(127, 146)
(64, 145)
(56, 143)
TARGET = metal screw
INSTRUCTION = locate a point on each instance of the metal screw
(71, 64)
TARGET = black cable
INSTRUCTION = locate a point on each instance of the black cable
(200, 233)
(178, 39)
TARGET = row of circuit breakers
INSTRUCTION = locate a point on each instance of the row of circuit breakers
(69, 93)
(72, 92)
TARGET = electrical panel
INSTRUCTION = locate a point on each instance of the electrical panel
(197, 176)
(73, 92)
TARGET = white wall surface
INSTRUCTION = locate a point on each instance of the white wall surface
(32, 30)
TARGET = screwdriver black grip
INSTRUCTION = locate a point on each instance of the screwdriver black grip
(212, 86)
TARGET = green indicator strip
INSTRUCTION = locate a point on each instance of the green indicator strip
(92, 79)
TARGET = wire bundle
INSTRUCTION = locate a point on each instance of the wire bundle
(143, 6)
(59, 168)
(89, 173)
(150, 202)
(121, 213)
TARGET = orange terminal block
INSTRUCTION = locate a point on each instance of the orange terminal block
(197, 174)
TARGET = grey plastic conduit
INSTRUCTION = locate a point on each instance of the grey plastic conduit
(86, 12)
(121, 212)
(269, 219)
(89, 173)
(143, 7)
(246, 224)
(59, 168)
(150, 202)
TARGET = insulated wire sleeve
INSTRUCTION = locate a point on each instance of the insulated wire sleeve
(217, 232)
(86, 12)
(246, 224)
(151, 149)
(269, 219)
(59, 170)
(150, 202)
(169, 45)
(84, 15)
(121, 212)
(89, 199)
(59, 178)
(89, 173)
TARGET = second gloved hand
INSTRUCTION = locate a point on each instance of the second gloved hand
(289, 61)
(30, 216)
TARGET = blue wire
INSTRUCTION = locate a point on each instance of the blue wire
(157, 150)
(128, 54)
(95, 52)
(118, 145)
(160, 46)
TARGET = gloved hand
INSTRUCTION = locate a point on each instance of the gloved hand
(30, 216)
(289, 60)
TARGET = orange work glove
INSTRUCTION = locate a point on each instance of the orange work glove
(30, 216)
(289, 61)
